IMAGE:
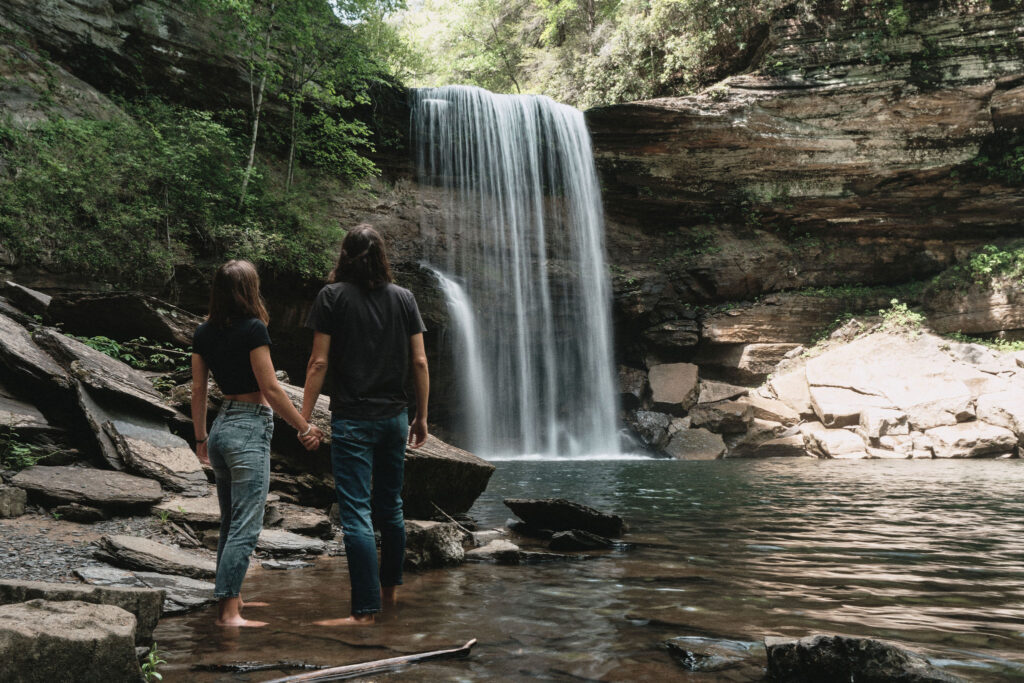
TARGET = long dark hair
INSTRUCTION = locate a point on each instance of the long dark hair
(363, 259)
(235, 294)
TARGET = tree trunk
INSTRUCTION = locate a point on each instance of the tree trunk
(291, 149)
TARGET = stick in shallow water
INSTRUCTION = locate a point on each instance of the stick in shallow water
(378, 666)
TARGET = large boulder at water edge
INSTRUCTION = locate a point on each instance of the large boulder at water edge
(558, 514)
(42, 642)
(439, 475)
(838, 658)
(95, 488)
(144, 603)
(695, 444)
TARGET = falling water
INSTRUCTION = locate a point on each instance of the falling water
(520, 226)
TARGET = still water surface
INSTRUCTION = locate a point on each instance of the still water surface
(926, 553)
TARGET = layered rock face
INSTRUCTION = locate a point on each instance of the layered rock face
(850, 156)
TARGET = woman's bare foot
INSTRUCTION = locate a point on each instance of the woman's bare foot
(239, 621)
(254, 603)
(354, 620)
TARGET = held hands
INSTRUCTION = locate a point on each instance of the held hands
(418, 432)
(311, 441)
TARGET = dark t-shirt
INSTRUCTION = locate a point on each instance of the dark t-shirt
(369, 355)
(226, 352)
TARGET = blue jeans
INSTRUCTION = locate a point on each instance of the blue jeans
(239, 448)
(365, 451)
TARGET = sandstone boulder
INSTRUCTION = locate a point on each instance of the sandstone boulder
(971, 440)
(835, 443)
(723, 417)
(713, 392)
(558, 514)
(131, 314)
(652, 428)
(792, 389)
(695, 444)
(878, 422)
(12, 501)
(96, 488)
(978, 310)
(841, 407)
(44, 641)
(743, 363)
(132, 552)
(839, 658)
(771, 409)
(1004, 409)
(498, 551)
(673, 387)
(433, 544)
(782, 447)
(144, 603)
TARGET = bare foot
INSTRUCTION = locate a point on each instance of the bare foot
(239, 621)
(354, 620)
(389, 595)
(255, 603)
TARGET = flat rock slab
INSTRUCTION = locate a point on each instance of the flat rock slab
(1004, 409)
(695, 444)
(181, 594)
(284, 565)
(835, 443)
(713, 392)
(783, 447)
(25, 360)
(96, 488)
(558, 514)
(430, 544)
(149, 449)
(107, 376)
(722, 416)
(838, 658)
(498, 551)
(298, 519)
(132, 314)
(25, 298)
(144, 603)
(279, 542)
(202, 511)
(132, 552)
(25, 418)
(46, 641)
(971, 440)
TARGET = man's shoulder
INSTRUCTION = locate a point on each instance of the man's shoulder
(400, 291)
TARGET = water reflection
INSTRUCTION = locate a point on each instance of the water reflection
(924, 553)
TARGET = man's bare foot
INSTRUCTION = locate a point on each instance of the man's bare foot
(239, 621)
(389, 595)
(354, 620)
(254, 603)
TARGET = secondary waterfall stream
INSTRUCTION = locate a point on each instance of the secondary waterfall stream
(517, 245)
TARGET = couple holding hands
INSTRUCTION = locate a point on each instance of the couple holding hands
(367, 333)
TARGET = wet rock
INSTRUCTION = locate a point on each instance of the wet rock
(203, 510)
(498, 551)
(28, 300)
(132, 552)
(835, 443)
(558, 514)
(284, 565)
(110, 380)
(482, 538)
(76, 512)
(280, 542)
(652, 428)
(838, 658)
(96, 488)
(783, 447)
(971, 440)
(707, 655)
(441, 474)
(674, 387)
(144, 603)
(128, 314)
(723, 417)
(713, 392)
(12, 501)
(433, 544)
(1004, 409)
(45, 641)
(695, 444)
(298, 519)
(632, 386)
(577, 539)
(23, 360)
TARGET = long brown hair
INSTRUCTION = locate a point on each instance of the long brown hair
(363, 259)
(235, 294)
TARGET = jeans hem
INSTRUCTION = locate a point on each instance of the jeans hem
(225, 596)
(364, 612)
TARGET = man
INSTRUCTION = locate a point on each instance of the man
(367, 332)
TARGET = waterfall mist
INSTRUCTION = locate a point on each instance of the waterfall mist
(517, 244)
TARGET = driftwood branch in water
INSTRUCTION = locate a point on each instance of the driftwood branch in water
(376, 667)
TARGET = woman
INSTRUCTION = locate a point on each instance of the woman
(234, 345)
(366, 333)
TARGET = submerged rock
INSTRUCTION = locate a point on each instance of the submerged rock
(558, 514)
(839, 658)
(577, 539)
(707, 655)
(433, 544)
(46, 641)
(181, 594)
(144, 603)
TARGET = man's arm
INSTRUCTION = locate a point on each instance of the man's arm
(316, 372)
(421, 379)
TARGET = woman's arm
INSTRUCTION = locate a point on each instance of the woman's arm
(200, 378)
(421, 378)
(263, 368)
(316, 371)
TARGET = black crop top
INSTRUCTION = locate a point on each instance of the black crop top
(226, 352)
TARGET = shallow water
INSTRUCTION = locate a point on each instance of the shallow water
(926, 553)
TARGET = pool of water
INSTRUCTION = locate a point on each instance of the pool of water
(929, 554)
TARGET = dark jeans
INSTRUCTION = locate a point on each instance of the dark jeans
(365, 451)
(239, 448)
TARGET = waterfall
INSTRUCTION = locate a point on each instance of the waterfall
(516, 237)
